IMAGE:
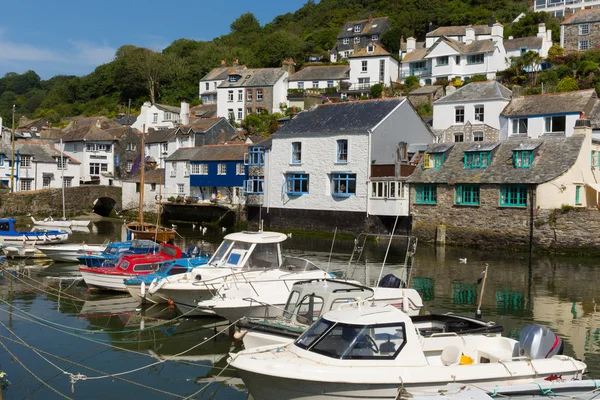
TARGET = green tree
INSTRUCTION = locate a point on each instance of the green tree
(528, 26)
(563, 71)
(586, 68)
(376, 90)
(245, 24)
(567, 85)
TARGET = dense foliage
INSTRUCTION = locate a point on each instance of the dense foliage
(168, 77)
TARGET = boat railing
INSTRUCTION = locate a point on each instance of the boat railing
(214, 285)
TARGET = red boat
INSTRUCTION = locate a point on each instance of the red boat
(129, 266)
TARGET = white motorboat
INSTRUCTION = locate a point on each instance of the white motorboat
(69, 252)
(59, 223)
(13, 251)
(366, 351)
(308, 300)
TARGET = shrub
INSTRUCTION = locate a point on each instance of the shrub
(171, 199)
(425, 110)
(376, 90)
(563, 71)
(477, 78)
(441, 82)
(586, 67)
(411, 81)
(179, 199)
(532, 90)
(555, 51)
(567, 85)
(548, 77)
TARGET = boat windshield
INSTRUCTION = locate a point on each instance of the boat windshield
(124, 264)
(168, 250)
(346, 341)
(111, 250)
(306, 311)
(295, 264)
(221, 251)
(264, 256)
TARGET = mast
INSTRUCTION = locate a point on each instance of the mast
(62, 176)
(12, 163)
(143, 167)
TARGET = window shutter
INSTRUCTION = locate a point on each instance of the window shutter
(426, 161)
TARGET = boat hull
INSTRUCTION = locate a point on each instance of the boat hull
(106, 281)
(149, 232)
(69, 254)
(31, 240)
(148, 298)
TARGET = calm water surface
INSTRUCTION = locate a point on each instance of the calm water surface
(156, 357)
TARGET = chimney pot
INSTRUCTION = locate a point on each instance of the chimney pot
(370, 18)
(224, 63)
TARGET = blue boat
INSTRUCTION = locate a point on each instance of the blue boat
(9, 235)
(115, 250)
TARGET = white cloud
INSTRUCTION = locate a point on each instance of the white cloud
(92, 54)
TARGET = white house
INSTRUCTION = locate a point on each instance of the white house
(372, 65)
(159, 116)
(355, 35)
(552, 114)
(561, 8)
(319, 77)
(455, 52)
(341, 161)
(177, 172)
(540, 43)
(153, 179)
(211, 81)
(37, 166)
(471, 113)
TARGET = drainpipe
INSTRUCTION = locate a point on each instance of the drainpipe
(369, 163)
(36, 177)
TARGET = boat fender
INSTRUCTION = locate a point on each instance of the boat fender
(143, 289)
(155, 288)
(405, 302)
(239, 334)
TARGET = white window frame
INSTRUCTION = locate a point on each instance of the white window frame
(222, 169)
(187, 169)
(25, 185)
(583, 44)
(129, 166)
(584, 29)
(62, 162)
(375, 38)
(477, 137)
(346, 41)
(315, 84)
(259, 95)
(364, 65)
(46, 182)
(240, 169)
(203, 169)
(240, 113)
(479, 112)
(240, 95)
(459, 117)
(25, 161)
(167, 116)
(181, 188)
(230, 96)
(68, 181)
(516, 126)
(330, 84)
(155, 118)
(357, 28)
(300, 85)
(173, 169)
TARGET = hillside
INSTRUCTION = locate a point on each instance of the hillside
(140, 74)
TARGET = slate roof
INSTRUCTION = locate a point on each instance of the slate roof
(124, 120)
(417, 55)
(552, 103)
(79, 123)
(221, 73)
(172, 109)
(553, 157)
(183, 154)
(89, 133)
(321, 73)
(475, 47)
(256, 78)
(594, 116)
(460, 30)
(530, 42)
(160, 135)
(221, 152)
(418, 45)
(490, 90)
(204, 110)
(150, 176)
(424, 90)
(39, 151)
(355, 116)
(583, 16)
(378, 51)
(376, 27)
(202, 125)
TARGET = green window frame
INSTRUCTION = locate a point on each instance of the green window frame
(578, 195)
(522, 158)
(436, 160)
(593, 159)
(426, 194)
(477, 159)
(466, 195)
(513, 196)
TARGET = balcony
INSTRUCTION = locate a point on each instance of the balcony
(424, 71)
(357, 87)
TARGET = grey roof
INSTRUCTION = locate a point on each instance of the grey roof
(160, 135)
(474, 91)
(89, 133)
(221, 152)
(376, 27)
(460, 30)
(39, 151)
(183, 154)
(552, 103)
(583, 16)
(418, 45)
(172, 109)
(355, 116)
(475, 47)
(530, 42)
(221, 73)
(528, 146)
(255, 78)
(554, 157)
(321, 73)
(428, 89)
(204, 110)
(440, 148)
(150, 176)
(483, 147)
(594, 116)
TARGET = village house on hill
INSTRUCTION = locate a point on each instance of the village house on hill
(581, 31)
(211, 81)
(355, 35)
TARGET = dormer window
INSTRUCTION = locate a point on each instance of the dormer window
(370, 49)
(522, 158)
(375, 38)
(357, 28)
(234, 78)
(433, 161)
(478, 159)
(346, 40)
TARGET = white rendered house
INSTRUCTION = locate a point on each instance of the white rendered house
(211, 81)
(540, 43)
(159, 116)
(372, 65)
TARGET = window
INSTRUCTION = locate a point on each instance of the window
(68, 181)
(555, 124)
(357, 39)
(200, 169)
(513, 196)
(249, 111)
(222, 169)
(459, 137)
(167, 116)
(330, 84)
(180, 188)
(25, 161)
(435, 160)
(256, 156)
(130, 147)
(61, 162)
(381, 71)
(595, 162)
(457, 60)
(459, 115)
(346, 40)
(343, 184)
(240, 95)
(240, 114)
(207, 86)
(578, 195)
(153, 187)
(25, 184)
(479, 113)
(129, 166)
(230, 96)
(584, 29)
(259, 110)
(478, 159)
(249, 95)
(254, 184)
(478, 136)
(522, 158)
(195, 169)
(155, 118)
(523, 50)
(370, 48)
(466, 195)
(300, 85)
(187, 169)
(475, 59)
(519, 126)
(94, 169)
(230, 114)
(375, 38)
(364, 66)
(357, 28)
(342, 151)
(583, 44)
(104, 167)
(346, 54)
(234, 78)
(45, 182)
(296, 153)
(173, 169)
(297, 183)
(239, 169)
(425, 194)
(387, 190)
(259, 95)
(98, 147)
(315, 84)
(440, 61)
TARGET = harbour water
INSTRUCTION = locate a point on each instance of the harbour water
(99, 345)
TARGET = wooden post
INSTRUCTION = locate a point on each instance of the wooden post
(478, 313)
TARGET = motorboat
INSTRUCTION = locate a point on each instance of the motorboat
(71, 251)
(137, 287)
(9, 235)
(241, 257)
(14, 251)
(309, 300)
(113, 251)
(366, 351)
(59, 223)
(128, 266)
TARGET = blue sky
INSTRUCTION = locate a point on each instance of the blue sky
(72, 37)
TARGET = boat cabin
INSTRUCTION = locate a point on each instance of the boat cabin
(137, 263)
(249, 251)
(7, 228)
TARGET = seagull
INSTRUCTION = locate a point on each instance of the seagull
(289, 235)
(193, 226)
(223, 229)
(204, 230)
(462, 260)
(174, 226)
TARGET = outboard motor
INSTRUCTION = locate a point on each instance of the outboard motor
(391, 281)
(539, 342)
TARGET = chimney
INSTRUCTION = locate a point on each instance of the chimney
(492, 20)
(517, 91)
(469, 35)
(98, 124)
(289, 66)
(235, 62)
(371, 18)
(411, 45)
(430, 27)
(185, 113)
(498, 32)
(583, 127)
(450, 88)
(223, 63)
(294, 112)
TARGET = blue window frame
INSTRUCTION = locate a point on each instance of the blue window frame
(297, 183)
(343, 184)
(513, 196)
(478, 159)
(426, 194)
(522, 158)
(466, 195)
(342, 151)
(578, 195)
(297, 153)
(256, 156)
(254, 184)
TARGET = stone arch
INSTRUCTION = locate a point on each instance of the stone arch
(104, 206)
